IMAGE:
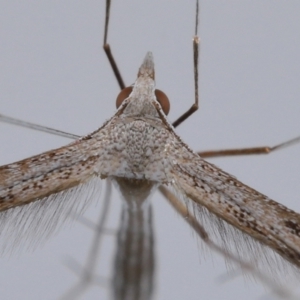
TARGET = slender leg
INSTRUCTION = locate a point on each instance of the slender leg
(196, 42)
(107, 49)
(248, 151)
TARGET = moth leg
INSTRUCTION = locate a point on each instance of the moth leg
(248, 151)
(107, 49)
(196, 42)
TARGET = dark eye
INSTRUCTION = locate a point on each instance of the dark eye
(163, 101)
(160, 96)
(124, 94)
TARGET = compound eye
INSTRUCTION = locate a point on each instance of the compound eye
(124, 94)
(163, 101)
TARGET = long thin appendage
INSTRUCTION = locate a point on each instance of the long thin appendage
(196, 42)
(248, 151)
(37, 127)
(107, 49)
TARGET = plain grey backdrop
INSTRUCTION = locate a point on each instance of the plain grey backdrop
(53, 72)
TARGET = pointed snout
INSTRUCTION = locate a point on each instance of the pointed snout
(147, 67)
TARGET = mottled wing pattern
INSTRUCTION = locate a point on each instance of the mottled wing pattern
(253, 213)
(38, 194)
(54, 171)
(45, 174)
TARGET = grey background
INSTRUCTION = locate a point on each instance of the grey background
(54, 72)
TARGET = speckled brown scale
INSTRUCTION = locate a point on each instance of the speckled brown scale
(139, 144)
